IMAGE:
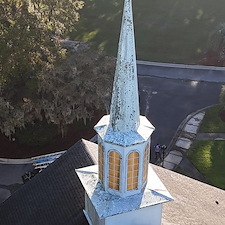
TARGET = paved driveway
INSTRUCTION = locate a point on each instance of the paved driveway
(167, 102)
(11, 178)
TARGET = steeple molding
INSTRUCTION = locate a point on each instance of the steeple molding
(142, 134)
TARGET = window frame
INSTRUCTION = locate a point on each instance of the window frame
(114, 170)
(133, 171)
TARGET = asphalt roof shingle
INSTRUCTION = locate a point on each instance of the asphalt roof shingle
(53, 197)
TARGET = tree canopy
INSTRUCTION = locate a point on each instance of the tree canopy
(77, 88)
(39, 77)
(28, 32)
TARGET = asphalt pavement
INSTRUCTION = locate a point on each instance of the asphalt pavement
(11, 177)
(167, 102)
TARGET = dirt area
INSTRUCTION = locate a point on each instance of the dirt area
(12, 149)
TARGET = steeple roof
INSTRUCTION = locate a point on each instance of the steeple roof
(124, 113)
(124, 126)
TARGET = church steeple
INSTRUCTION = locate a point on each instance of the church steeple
(124, 135)
(124, 113)
(122, 188)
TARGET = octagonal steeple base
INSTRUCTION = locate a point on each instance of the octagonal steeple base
(123, 157)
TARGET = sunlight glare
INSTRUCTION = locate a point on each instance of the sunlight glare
(194, 83)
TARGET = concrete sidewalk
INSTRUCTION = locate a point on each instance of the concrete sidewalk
(182, 141)
(179, 146)
(176, 155)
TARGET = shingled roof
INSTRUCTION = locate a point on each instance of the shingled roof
(195, 203)
(53, 197)
(56, 196)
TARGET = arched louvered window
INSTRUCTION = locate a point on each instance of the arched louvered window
(132, 171)
(146, 159)
(100, 161)
(114, 170)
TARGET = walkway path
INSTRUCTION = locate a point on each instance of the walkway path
(179, 146)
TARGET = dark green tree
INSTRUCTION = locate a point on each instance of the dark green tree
(77, 88)
(39, 76)
(29, 30)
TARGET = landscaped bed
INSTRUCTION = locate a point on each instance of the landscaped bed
(212, 122)
(208, 157)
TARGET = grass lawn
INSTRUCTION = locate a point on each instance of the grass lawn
(165, 31)
(209, 157)
(212, 122)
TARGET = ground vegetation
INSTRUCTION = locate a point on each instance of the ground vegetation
(165, 31)
(213, 121)
(208, 155)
